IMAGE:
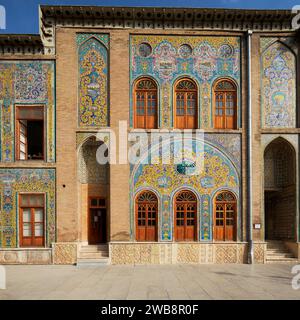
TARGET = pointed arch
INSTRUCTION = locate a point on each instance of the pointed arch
(93, 83)
(280, 201)
(278, 80)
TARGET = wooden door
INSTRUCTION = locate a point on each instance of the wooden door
(225, 116)
(97, 223)
(225, 217)
(186, 105)
(146, 217)
(145, 101)
(185, 217)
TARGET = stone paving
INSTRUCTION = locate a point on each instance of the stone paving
(150, 282)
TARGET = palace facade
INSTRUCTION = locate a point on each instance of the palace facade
(229, 74)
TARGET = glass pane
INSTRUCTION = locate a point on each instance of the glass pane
(22, 156)
(24, 200)
(26, 230)
(38, 230)
(94, 202)
(26, 215)
(37, 200)
(39, 215)
(36, 113)
(101, 202)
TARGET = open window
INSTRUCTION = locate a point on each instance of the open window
(30, 133)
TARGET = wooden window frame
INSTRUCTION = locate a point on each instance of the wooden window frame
(196, 121)
(185, 225)
(146, 116)
(234, 202)
(146, 217)
(235, 91)
(32, 221)
(17, 132)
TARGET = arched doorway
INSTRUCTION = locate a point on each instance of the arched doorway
(186, 104)
(280, 191)
(225, 208)
(146, 205)
(185, 216)
(94, 193)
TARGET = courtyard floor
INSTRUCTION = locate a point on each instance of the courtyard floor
(150, 282)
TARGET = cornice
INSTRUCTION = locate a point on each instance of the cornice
(158, 18)
(21, 44)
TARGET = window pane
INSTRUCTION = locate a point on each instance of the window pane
(36, 113)
(24, 200)
(26, 215)
(39, 215)
(37, 200)
(38, 230)
(26, 230)
(94, 202)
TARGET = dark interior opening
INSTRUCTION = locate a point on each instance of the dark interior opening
(35, 137)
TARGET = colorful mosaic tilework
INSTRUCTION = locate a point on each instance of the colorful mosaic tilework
(278, 80)
(26, 83)
(167, 58)
(219, 172)
(12, 183)
(93, 83)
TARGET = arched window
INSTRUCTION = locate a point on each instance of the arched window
(146, 216)
(186, 104)
(225, 105)
(145, 104)
(225, 217)
(185, 216)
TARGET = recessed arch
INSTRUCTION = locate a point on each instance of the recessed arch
(280, 190)
(93, 185)
(145, 102)
(185, 103)
(146, 216)
(225, 216)
(225, 103)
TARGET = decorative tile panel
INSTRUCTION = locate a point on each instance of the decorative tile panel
(12, 183)
(204, 59)
(278, 81)
(93, 84)
(220, 172)
(26, 83)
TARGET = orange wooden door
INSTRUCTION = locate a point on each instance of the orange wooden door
(146, 219)
(146, 108)
(219, 225)
(185, 217)
(186, 105)
(225, 110)
(225, 220)
(230, 222)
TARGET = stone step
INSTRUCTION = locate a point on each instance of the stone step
(92, 262)
(282, 255)
(285, 260)
(93, 255)
(93, 248)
